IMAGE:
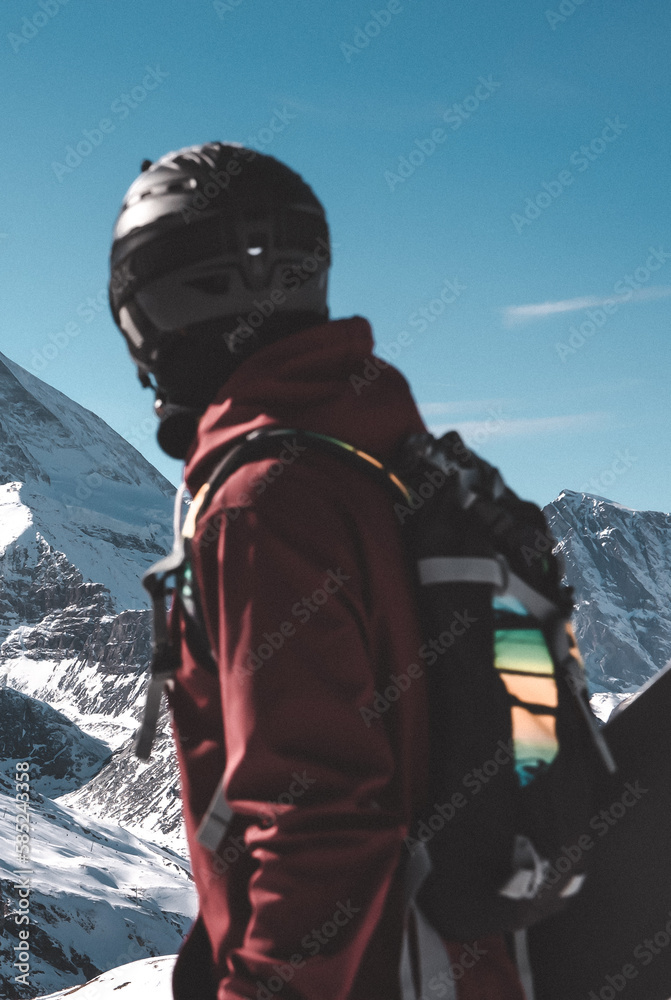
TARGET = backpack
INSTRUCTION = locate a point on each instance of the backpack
(515, 752)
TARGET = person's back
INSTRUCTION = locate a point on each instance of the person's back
(317, 715)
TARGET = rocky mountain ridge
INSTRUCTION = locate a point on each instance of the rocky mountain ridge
(618, 561)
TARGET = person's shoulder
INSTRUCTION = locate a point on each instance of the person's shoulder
(303, 486)
(299, 472)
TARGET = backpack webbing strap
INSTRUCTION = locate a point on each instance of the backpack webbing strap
(165, 658)
(461, 569)
(215, 822)
(495, 572)
(424, 959)
(264, 442)
(523, 963)
(144, 739)
(424, 955)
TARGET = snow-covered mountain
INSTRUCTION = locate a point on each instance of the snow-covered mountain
(619, 562)
(82, 515)
(78, 504)
(101, 689)
(96, 895)
(99, 897)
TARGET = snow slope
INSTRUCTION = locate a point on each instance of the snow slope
(70, 480)
(101, 691)
(136, 981)
(99, 897)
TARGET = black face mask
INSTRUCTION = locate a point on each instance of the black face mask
(189, 369)
(188, 374)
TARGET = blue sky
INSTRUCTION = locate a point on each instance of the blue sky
(504, 155)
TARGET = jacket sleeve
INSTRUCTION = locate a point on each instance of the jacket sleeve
(288, 607)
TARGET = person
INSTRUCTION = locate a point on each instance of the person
(317, 715)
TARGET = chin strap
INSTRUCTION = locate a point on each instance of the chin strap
(178, 422)
(177, 428)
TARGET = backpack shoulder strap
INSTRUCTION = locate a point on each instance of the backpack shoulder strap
(253, 446)
(165, 658)
(265, 442)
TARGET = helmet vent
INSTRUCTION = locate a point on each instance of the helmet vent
(160, 188)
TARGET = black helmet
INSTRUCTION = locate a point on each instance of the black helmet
(217, 250)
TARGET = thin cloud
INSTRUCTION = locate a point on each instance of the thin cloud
(513, 315)
(523, 426)
(380, 115)
(463, 406)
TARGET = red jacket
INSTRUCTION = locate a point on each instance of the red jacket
(308, 604)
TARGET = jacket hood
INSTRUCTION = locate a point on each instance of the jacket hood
(324, 378)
